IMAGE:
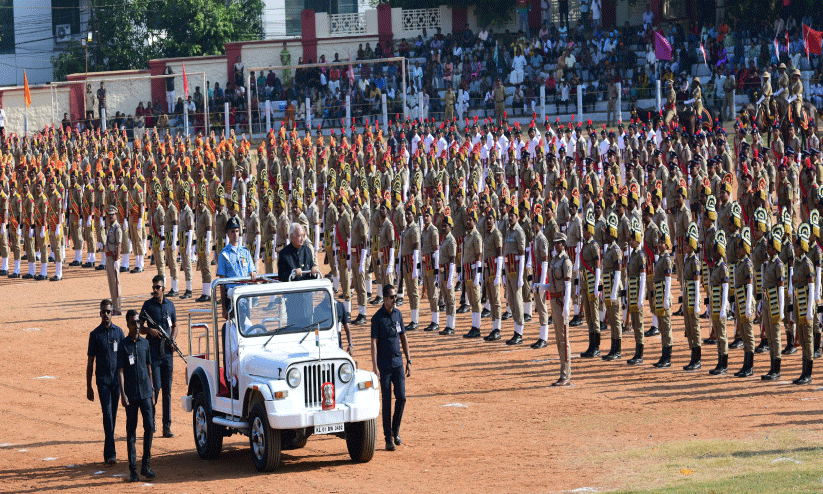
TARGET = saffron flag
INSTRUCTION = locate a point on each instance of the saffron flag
(26, 92)
(703, 52)
(662, 48)
(185, 82)
(813, 39)
(776, 49)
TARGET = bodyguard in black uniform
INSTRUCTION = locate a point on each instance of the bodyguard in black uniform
(103, 344)
(161, 310)
(387, 333)
(135, 369)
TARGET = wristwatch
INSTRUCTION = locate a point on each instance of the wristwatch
(408, 361)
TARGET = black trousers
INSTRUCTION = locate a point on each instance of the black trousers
(147, 411)
(109, 399)
(161, 373)
(392, 378)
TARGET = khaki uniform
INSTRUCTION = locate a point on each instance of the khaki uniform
(691, 272)
(499, 102)
(802, 277)
(158, 244)
(409, 242)
(359, 254)
(14, 226)
(612, 261)
(663, 269)
(40, 227)
(560, 272)
(342, 239)
(429, 245)
(170, 225)
(728, 97)
(671, 101)
(719, 275)
(744, 275)
(386, 246)
(76, 216)
(574, 233)
(636, 266)
(515, 246)
(269, 226)
(114, 238)
(202, 229)
(448, 101)
(329, 220)
(447, 258)
(492, 248)
(589, 260)
(136, 230)
(88, 212)
(28, 226)
(185, 232)
(796, 89)
(472, 252)
(540, 254)
(772, 277)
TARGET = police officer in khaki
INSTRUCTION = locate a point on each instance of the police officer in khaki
(359, 252)
(447, 264)
(203, 229)
(171, 226)
(186, 232)
(111, 249)
(473, 270)
(804, 300)
(429, 246)
(636, 288)
(773, 299)
(493, 269)
(514, 251)
(612, 284)
(590, 260)
(744, 299)
(342, 233)
(540, 254)
(691, 297)
(559, 287)
(410, 252)
(158, 214)
(387, 245)
(719, 298)
(662, 299)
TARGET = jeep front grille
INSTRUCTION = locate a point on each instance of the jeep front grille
(314, 375)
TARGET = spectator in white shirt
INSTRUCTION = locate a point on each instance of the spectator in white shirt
(648, 16)
(518, 64)
(417, 75)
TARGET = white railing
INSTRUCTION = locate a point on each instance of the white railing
(347, 24)
(419, 19)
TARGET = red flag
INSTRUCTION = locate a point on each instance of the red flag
(776, 49)
(788, 53)
(26, 92)
(814, 40)
(703, 51)
(185, 82)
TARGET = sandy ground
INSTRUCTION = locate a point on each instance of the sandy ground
(480, 417)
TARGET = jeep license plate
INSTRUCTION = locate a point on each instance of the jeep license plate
(329, 428)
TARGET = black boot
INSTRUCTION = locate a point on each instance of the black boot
(653, 331)
(790, 348)
(666, 359)
(576, 321)
(590, 351)
(614, 353)
(806, 376)
(818, 352)
(638, 355)
(748, 363)
(694, 363)
(722, 365)
(774, 372)
(737, 343)
(763, 347)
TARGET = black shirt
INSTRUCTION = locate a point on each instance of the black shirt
(291, 258)
(164, 316)
(134, 357)
(103, 344)
(386, 328)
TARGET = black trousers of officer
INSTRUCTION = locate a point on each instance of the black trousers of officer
(392, 378)
(161, 373)
(109, 400)
(146, 409)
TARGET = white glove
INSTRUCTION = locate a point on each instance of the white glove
(579, 248)
(778, 93)
(763, 97)
(498, 278)
(140, 223)
(208, 242)
(567, 301)
(613, 295)
(3, 229)
(688, 101)
(478, 276)
(190, 236)
(667, 293)
(99, 246)
(31, 232)
(597, 277)
(749, 301)
(57, 230)
(520, 266)
(817, 283)
(19, 233)
(450, 280)
(362, 261)
(42, 232)
(724, 301)
(102, 223)
(173, 237)
(391, 261)
(811, 304)
(88, 221)
(641, 292)
(791, 100)
(780, 299)
(415, 261)
(544, 272)
(696, 296)
(256, 246)
(529, 257)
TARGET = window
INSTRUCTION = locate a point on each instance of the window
(291, 312)
(6, 26)
(65, 12)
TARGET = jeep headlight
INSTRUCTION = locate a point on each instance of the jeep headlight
(345, 372)
(293, 377)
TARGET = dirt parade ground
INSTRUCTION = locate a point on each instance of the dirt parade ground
(480, 417)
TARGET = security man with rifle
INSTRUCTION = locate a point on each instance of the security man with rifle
(158, 321)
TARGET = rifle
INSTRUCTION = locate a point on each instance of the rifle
(164, 336)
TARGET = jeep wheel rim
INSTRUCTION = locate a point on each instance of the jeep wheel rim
(258, 438)
(200, 427)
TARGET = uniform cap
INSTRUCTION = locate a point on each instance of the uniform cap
(232, 223)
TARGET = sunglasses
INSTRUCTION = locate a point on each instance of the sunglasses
(157, 287)
(106, 311)
(391, 297)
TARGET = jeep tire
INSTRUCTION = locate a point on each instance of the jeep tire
(264, 441)
(208, 437)
(360, 440)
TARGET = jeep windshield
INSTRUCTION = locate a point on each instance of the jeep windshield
(284, 313)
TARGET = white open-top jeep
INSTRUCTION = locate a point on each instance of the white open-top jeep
(275, 372)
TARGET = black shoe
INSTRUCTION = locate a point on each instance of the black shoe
(653, 331)
(124, 269)
(442, 307)
(705, 315)
(818, 351)
(411, 326)
(39, 277)
(133, 476)
(111, 461)
(638, 356)
(186, 294)
(168, 433)
(694, 363)
(763, 347)
(397, 441)
(432, 327)
(506, 315)
(679, 312)
(516, 339)
(447, 331)
(458, 287)
(51, 258)
(4, 272)
(147, 472)
(473, 333)
(493, 336)
(748, 363)
(485, 313)
(377, 301)
(360, 320)
(665, 359)
(28, 276)
(203, 298)
(399, 301)
(463, 309)
(737, 343)
(58, 278)
(72, 264)
(774, 372)
(213, 263)
(576, 321)
(136, 270)
(550, 320)
(709, 341)
(14, 275)
(100, 267)
(87, 265)
(172, 293)
(594, 346)
(527, 317)
(722, 365)
(390, 445)
(540, 343)
(790, 348)
(806, 376)
(614, 352)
